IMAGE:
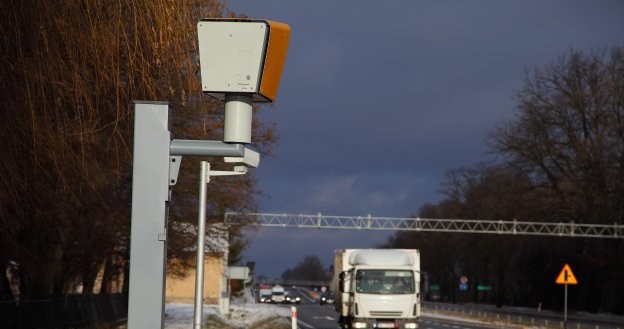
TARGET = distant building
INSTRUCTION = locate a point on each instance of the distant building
(182, 290)
(178, 289)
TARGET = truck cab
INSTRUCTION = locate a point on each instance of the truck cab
(264, 295)
(278, 294)
(378, 288)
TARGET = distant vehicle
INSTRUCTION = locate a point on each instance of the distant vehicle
(377, 288)
(327, 298)
(293, 297)
(264, 296)
(278, 294)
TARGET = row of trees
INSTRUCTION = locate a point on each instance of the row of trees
(561, 159)
(69, 72)
(309, 269)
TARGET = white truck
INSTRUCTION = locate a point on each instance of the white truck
(264, 295)
(377, 288)
(278, 294)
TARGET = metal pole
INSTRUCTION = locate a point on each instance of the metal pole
(150, 196)
(237, 122)
(565, 308)
(201, 239)
(224, 302)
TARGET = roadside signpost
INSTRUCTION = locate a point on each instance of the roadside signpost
(463, 283)
(566, 277)
(434, 292)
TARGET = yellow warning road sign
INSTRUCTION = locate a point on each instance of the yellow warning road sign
(566, 276)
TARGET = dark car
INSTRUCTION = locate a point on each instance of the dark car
(293, 297)
(327, 298)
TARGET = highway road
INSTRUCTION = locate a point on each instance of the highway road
(454, 316)
(314, 316)
(311, 315)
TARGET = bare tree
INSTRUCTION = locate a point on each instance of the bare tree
(569, 134)
(310, 268)
(69, 71)
(563, 160)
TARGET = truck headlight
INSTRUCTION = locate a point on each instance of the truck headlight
(411, 326)
(359, 324)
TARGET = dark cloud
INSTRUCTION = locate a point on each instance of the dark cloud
(379, 99)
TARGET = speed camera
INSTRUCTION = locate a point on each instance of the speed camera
(242, 56)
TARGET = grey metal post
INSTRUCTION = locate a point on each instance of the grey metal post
(565, 307)
(201, 239)
(150, 194)
(237, 123)
(224, 300)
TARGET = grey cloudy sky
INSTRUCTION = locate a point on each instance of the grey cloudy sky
(379, 99)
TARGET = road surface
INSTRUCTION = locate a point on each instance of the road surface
(314, 316)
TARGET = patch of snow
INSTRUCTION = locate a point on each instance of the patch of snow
(181, 316)
(244, 315)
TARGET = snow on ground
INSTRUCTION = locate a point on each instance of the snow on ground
(244, 315)
(181, 316)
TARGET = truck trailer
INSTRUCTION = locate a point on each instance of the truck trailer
(377, 288)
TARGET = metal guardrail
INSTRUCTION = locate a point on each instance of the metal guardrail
(524, 317)
(514, 227)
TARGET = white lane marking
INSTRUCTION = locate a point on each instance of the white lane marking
(324, 317)
(304, 324)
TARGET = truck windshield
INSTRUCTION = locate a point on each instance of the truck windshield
(384, 282)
